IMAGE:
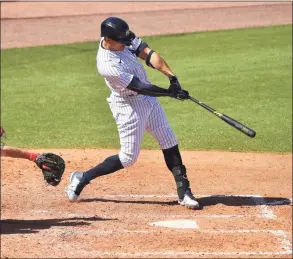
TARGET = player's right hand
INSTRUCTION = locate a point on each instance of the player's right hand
(182, 95)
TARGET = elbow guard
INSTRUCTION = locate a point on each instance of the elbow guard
(148, 59)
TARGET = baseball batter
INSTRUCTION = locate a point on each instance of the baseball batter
(135, 107)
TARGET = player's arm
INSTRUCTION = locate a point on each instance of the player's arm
(151, 58)
(154, 60)
(152, 90)
(147, 89)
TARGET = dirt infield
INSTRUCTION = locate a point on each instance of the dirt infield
(246, 197)
(114, 214)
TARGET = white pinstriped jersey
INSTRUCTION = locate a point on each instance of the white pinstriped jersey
(134, 114)
(119, 67)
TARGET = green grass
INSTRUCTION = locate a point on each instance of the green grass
(53, 97)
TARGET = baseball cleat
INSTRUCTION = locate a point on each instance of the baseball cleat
(189, 201)
(74, 180)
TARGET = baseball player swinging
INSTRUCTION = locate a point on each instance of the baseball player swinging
(135, 107)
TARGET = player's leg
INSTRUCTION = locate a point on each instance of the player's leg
(13, 152)
(159, 127)
(131, 120)
(130, 141)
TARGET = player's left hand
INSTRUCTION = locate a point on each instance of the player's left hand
(176, 91)
(174, 83)
(52, 167)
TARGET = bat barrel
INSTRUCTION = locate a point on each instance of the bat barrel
(239, 126)
(236, 124)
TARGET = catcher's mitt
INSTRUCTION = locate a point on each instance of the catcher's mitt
(52, 167)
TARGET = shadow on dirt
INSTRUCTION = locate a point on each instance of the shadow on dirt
(210, 201)
(16, 226)
(242, 200)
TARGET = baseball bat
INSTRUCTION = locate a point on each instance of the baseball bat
(234, 123)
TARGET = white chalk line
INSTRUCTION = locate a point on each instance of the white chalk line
(280, 233)
(265, 211)
(285, 241)
(286, 244)
(154, 215)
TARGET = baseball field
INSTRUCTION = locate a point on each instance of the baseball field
(235, 57)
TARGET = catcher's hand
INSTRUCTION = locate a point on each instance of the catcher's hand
(52, 167)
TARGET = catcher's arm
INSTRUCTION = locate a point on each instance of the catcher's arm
(14, 152)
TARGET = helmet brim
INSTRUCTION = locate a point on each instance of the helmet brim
(127, 39)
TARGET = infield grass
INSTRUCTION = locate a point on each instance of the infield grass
(53, 97)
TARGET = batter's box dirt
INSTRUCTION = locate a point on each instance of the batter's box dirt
(113, 216)
(78, 241)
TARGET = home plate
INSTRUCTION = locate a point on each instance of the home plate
(178, 223)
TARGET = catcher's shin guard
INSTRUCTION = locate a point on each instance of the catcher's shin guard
(182, 183)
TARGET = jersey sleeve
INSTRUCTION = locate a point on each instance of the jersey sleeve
(135, 44)
(115, 76)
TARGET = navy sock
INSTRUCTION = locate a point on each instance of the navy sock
(110, 165)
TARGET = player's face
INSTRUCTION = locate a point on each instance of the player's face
(115, 45)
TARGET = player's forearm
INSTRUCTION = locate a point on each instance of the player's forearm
(160, 64)
(147, 89)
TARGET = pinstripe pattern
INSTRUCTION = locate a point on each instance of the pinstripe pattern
(134, 114)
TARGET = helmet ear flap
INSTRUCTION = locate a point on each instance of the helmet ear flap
(132, 35)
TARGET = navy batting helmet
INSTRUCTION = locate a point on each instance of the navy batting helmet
(117, 30)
